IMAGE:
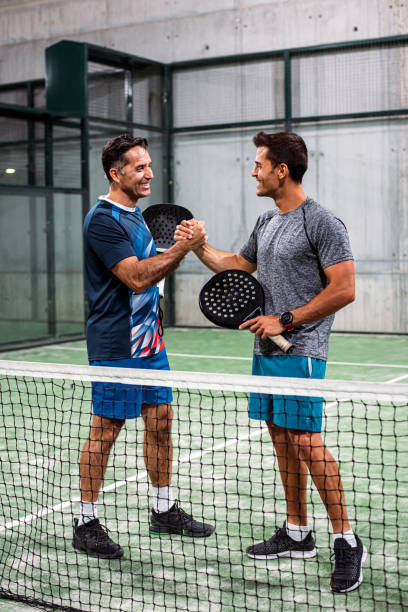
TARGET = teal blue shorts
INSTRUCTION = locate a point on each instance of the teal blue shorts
(119, 401)
(289, 411)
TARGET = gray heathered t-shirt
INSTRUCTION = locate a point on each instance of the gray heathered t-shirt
(289, 272)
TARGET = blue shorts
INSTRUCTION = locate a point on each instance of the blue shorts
(116, 401)
(289, 411)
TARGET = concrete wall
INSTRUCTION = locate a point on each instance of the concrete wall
(352, 171)
(358, 170)
(172, 30)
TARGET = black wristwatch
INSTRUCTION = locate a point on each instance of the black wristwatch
(286, 319)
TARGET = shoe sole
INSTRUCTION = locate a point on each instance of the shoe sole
(96, 555)
(181, 533)
(360, 579)
(293, 554)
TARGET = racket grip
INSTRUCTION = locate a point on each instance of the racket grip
(160, 285)
(281, 341)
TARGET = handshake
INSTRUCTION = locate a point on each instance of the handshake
(191, 234)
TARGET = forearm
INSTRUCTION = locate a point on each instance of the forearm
(324, 304)
(139, 275)
(218, 261)
(338, 293)
(327, 302)
(154, 269)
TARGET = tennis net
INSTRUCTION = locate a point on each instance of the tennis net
(225, 473)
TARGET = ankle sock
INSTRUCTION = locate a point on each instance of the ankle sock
(297, 532)
(89, 512)
(348, 536)
(163, 498)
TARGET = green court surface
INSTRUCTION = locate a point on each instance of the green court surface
(24, 331)
(351, 356)
(218, 474)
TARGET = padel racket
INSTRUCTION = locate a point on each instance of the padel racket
(231, 298)
(162, 219)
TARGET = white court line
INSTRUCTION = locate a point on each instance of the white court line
(346, 363)
(186, 458)
(209, 356)
(61, 347)
(397, 379)
(29, 518)
(58, 347)
(45, 511)
(347, 399)
(367, 365)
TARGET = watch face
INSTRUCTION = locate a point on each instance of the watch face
(286, 318)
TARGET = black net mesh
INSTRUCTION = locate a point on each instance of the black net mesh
(247, 91)
(106, 92)
(360, 80)
(115, 93)
(225, 473)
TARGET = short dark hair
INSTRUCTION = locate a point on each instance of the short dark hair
(114, 152)
(286, 147)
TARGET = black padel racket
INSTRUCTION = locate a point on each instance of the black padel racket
(231, 298)
(162, 219)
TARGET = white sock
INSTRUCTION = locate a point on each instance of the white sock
(297, 532)
(163, 498)
(348, 536)
(89, 511)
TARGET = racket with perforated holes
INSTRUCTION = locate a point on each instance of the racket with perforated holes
(162, 219)
(231, 298)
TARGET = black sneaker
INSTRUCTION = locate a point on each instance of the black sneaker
(177, 521)
(281, 545)
(93, 539)
(348, 572)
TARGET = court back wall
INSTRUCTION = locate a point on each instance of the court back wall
(177, 30)
(356, 170)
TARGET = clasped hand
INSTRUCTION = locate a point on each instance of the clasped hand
(191, 230)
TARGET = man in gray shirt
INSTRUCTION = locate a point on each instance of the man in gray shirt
(303, 259)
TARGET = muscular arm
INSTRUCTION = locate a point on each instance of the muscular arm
(338, 293)
(216, 260)
(139, 275)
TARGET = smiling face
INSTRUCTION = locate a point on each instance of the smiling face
(133, 178)
(267, 175)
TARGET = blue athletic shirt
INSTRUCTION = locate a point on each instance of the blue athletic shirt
(121, 324)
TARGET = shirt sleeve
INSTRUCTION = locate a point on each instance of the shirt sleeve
(109, 240)
(332, 241)
(250, 249)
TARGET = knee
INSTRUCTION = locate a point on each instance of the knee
(110, 435)
(102, 437)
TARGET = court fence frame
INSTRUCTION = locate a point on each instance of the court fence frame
(69, 99)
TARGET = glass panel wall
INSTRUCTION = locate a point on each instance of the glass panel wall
(41, 277)
(41, 262)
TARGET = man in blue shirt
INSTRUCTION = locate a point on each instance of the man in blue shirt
(122, 270)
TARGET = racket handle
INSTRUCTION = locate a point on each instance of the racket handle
(281, 341)
(160, 285)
